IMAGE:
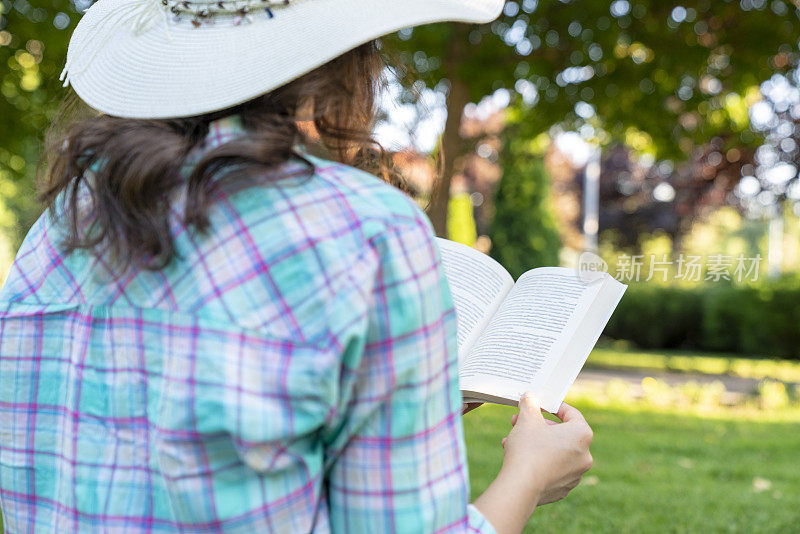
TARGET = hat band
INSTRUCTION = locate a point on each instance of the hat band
(202, 12)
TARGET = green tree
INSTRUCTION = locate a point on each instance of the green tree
(659, 75)
(523, 230)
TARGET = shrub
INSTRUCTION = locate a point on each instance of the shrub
(460, 220)
(760, 319)
(523, 230)
(657, 317)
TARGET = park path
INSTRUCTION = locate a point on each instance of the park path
(596, 379)
(595, 376)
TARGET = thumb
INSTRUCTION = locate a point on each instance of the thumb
(530, 408)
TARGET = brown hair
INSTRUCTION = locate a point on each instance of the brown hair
(136, 163)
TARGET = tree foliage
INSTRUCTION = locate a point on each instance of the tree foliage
(33, 45)
(632, 61)
(660, 76)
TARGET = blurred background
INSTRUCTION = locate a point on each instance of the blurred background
(663, 137)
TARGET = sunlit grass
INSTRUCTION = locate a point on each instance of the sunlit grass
(665, 470)
(694, 362)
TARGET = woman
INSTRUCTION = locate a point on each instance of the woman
(212, 329)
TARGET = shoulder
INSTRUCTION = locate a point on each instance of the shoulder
(373, 197)
(335, 206)
(336, 196)
(289, 249)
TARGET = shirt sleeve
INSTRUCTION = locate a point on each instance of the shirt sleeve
(395, 450)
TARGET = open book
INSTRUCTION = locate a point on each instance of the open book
(534, 334)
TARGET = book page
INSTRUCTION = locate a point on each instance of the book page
(528, 334)
(584, 339)
(478, 285)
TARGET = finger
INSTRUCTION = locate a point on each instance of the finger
(503, 442)
(569, 413)
(514, 419)
(550, 421)
(530, 406)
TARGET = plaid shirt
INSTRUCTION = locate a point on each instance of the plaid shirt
(293, 370)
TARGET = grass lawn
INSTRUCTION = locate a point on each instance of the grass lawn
(664, 472)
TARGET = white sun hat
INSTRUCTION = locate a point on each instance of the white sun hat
(153, 59)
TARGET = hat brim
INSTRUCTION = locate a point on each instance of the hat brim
(184, 70)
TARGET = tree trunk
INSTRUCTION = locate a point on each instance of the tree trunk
(451, 143)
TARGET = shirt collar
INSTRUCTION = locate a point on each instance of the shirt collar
(222, 130)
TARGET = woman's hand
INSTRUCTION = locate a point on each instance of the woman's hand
(554, 455)
(543, 460)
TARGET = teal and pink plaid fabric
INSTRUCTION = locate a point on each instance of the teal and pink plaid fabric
(293, 371)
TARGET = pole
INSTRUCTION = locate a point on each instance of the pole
(775, 247)
(591, 201)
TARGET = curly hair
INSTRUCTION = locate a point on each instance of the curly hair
(135, 164)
